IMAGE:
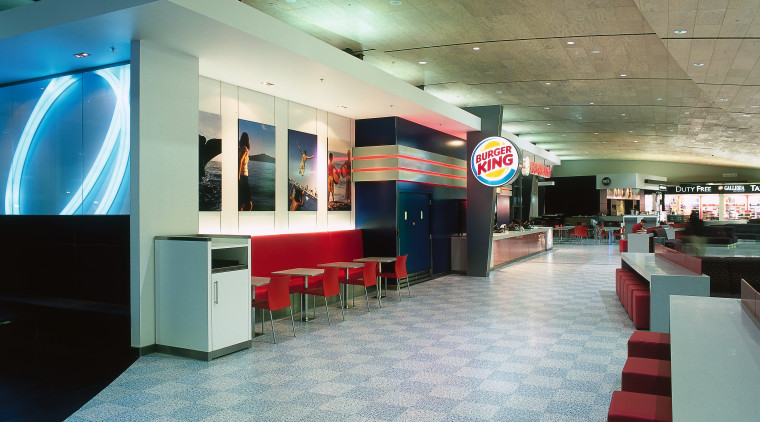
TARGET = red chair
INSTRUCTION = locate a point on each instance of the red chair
(579, 232)
(369, 278)
(277, 298)
(399, 273)
(328, 288)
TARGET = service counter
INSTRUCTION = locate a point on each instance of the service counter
(506, 247)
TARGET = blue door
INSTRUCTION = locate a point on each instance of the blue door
(414, 230)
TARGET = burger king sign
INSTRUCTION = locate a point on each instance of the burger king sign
(495, 161)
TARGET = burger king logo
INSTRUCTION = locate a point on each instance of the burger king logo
(495, 161)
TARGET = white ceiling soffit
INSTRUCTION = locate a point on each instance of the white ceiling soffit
(234, 43)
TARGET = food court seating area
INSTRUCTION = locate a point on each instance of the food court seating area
(303, 250)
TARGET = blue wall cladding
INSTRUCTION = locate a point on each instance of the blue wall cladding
(64, 144)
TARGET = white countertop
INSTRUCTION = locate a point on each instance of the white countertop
(498, 236)
(715, 360)
(648, 264)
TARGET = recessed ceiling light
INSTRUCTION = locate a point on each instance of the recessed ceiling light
(596, 133)
(754, 106)
(659, 99)
(548, 124)
(699, 64)
(622, 114)
(422, 62)
(630, 131)
(623, 75)
(548, 83)
(724, 99)
(395, 2)
(604, 142)
(595, 52)
(476, 48)
(570, 42)
(591, 103)
(746, 115)
(636, 142)
(687, 113)
(81, 55)
(679, 31)
(499, 92)
(265, 83)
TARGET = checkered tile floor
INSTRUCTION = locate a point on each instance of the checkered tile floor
(543, 339)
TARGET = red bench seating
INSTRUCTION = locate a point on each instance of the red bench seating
(648, 376)
(302, 250)
(633, 293)
(637, 407)
(645, 344)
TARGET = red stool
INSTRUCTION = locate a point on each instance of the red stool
(640, 309)
(647, 376)
(623, 245)
(637, 407)
(645, 344)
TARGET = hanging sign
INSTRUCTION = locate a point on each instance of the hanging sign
(495, 161)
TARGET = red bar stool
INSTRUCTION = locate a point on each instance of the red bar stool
(647, 376)
(640, 300)
(636, 407)
(645, 344)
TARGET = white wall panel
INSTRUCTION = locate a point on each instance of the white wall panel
(164, 167)
(256, 107)
(322, 169)
(256, 223)
(281, 170)
(209, 93)
(209, 222)
(302, 221)
(302, 118)
(229, 159)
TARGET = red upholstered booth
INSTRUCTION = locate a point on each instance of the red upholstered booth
(302, 250)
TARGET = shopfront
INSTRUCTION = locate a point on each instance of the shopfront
(714, 201)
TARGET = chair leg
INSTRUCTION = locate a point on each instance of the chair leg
(328, 311)
(408, 287)
(378, 301)
(271, 321)
(340, 298)
(292, 322)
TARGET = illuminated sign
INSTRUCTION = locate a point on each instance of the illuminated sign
(540, 169)
(495, 161)
(708, 189)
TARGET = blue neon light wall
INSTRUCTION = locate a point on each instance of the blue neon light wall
(64, 144)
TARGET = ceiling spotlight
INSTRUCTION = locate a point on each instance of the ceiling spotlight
(546, 108)
(548, 83)
(570, 42)
(81, 55)
(699, 64)
(754, 106)
(594, 51)
(476, 48)
(630, 131)
(659, 99)
(422, 62)
(687, 113)
(499, 92)
(623, 75)
(679, 31)
(591, 103)
(636, 142)
(724, 99)
(596, 133)
(746, 115)
(622, 114)
(395, 2)
(548, 124)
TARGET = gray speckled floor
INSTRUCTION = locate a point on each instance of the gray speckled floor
(543, 339)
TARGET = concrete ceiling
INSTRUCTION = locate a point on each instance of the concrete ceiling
(663, 80)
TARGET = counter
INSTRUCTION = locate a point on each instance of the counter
(506, 247)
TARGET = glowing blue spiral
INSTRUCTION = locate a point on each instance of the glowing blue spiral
(117, 138)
